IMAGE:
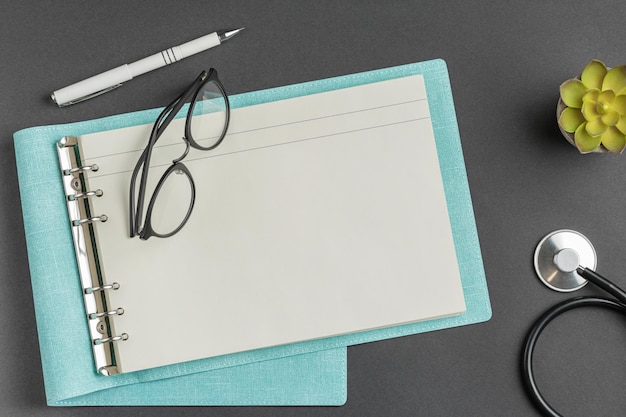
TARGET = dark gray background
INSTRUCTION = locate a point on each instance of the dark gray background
(506, 60)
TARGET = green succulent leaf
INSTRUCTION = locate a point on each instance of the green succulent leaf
(572, 92)
(621, 124)
(615, 79)
(570, 119)
(593, 74)
(619, 104)
(614, 140)
(596, 127)
(591, 95)
(584, 141)
(606, 97)
(590, 111)
(610, 118)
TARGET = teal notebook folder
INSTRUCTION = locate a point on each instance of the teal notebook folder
(305, 373)
(316, 378)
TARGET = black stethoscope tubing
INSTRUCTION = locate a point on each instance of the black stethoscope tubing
(618, 304)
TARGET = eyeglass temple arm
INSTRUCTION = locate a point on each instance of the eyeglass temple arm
(177, 104)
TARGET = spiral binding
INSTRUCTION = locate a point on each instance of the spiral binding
(78, 197)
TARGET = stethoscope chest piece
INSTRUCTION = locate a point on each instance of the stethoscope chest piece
(557, 257)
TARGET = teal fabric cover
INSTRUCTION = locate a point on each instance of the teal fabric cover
(306, 373)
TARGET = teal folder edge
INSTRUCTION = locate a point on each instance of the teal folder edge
(282, 375)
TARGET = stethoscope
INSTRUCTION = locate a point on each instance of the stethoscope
(565, 261)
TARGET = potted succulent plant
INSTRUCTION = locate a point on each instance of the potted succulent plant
(592, 109)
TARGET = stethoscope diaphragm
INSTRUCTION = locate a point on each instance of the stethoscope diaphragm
(557, 257)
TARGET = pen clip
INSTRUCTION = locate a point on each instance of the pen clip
(86, 97)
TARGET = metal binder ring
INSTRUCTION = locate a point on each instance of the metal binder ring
(113, 286)
(123, 336)
(102, 218)
(117, 311)
(97, 193)
(92, 168)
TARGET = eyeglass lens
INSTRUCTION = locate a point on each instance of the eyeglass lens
(172, 202)
(209, 116)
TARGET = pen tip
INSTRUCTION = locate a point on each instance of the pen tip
(229, 34)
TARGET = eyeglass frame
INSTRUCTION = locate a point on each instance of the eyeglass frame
(161, 123)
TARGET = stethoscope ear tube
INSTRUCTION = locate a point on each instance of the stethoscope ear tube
(605, 284)
(536, 330)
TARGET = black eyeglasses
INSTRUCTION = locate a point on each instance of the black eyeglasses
(174, 194)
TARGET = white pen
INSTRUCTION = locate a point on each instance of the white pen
(107, 81)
